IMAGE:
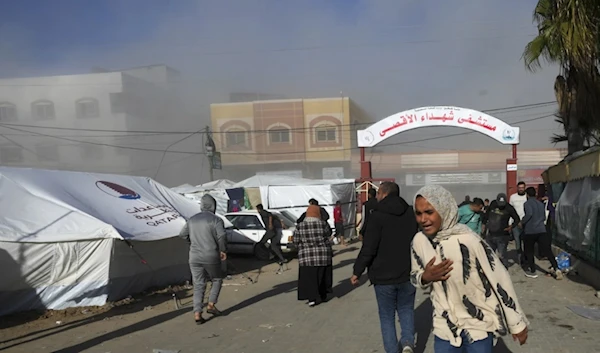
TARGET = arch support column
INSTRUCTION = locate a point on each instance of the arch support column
(511, 172)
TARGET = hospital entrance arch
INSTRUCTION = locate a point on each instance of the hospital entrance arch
(441, 116)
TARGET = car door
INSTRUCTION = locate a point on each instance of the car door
(249, 231)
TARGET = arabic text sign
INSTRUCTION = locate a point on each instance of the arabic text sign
(154, 215)
(438, 116)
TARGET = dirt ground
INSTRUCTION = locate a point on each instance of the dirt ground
(19, 328)
(266, 317)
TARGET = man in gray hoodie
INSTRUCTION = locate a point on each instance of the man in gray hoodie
(534, 229)
(206, 235)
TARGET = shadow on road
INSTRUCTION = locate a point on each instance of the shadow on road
(276, 290)
(345, 250)
(142, 325)
(138, 303)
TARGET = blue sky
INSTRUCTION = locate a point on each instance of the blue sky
(387, 55)
(53, 28)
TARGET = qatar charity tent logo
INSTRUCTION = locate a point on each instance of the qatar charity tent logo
(117, 190)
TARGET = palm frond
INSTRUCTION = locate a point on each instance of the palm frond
(556, 138)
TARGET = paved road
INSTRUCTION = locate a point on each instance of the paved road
(266, 317)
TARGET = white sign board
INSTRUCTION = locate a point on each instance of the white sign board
(438, 116)
(475, 178)
(511, 167)
(333, 173)
(288, 173)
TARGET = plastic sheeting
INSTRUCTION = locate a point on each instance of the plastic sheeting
(295, 200)
(577, 212)
(53, 206)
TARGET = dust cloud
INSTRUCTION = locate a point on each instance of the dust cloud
(387, 56)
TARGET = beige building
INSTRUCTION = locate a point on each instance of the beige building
(304, 137)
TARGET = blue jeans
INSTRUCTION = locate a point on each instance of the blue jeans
(481, 346)
(392, 298)
(517, 232)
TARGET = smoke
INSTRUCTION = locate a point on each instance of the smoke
(386, 55)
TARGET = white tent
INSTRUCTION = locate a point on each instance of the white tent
(292, 194)
(78, 239)
(216, 189)
(218, 184)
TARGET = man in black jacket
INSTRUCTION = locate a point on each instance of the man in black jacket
(369, 206)
(496, 225)
(386, 254)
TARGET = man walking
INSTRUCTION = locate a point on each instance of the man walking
(496, 222)
(470, 215)
(517, 200)
(386, 254)
(271, 233)
(534, 232)
(206, 235)
(368, 207)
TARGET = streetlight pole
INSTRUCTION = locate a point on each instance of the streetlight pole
(209, 149)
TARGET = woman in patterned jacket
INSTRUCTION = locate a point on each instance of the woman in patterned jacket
(315, 276)
(472, 294)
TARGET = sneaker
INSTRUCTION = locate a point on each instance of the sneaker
(311, 304)
(531, 274)
(407, 349)
(558, 274)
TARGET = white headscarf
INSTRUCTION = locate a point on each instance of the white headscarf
(444, 203)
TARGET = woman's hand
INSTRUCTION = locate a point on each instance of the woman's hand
(521, 337)
(439, 272)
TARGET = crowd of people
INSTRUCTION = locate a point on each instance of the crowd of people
(525, 217)
(457, 252)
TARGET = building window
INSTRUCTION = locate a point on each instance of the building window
(235, 137)
(327, 133)
(11, 154)
(8, 112)
(87, 108)
(47, 152)
(279, 135)
(42, 110)
(91, 152)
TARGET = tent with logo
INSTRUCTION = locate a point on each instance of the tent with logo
(78, 239)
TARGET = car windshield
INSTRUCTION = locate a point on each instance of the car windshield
(245, 221)
(285, 219)
(289, 216)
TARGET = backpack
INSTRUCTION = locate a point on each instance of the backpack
(495, 223)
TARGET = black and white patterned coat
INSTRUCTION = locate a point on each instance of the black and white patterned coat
(478, 298)
(312, 239)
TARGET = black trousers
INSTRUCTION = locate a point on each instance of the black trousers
(275, 248)
(544, 242)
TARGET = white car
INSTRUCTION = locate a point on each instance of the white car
(248, 228)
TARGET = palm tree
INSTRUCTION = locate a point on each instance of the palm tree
(568, 35)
